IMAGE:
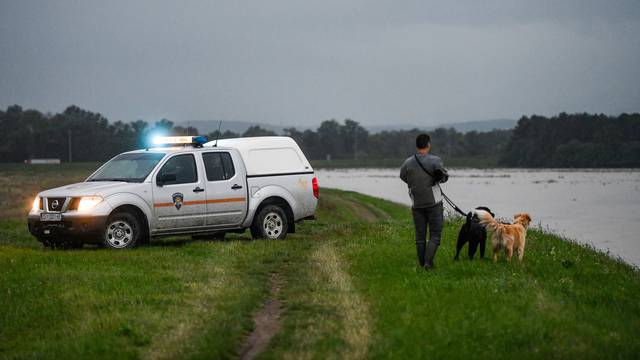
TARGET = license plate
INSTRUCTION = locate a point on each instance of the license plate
(50, 217)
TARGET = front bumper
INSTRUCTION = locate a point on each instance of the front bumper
(84, 227)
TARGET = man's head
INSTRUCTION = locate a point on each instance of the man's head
(423, 143)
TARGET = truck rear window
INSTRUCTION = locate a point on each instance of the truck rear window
(218, 166)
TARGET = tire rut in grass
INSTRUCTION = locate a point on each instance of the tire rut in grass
(354, 311)
(267, 323)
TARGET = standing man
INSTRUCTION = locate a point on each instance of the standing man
(422, 172)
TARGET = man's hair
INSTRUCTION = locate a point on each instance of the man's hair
(422, 141)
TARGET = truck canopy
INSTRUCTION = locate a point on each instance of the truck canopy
(268, 155)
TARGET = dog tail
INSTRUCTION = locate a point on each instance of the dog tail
(487, 220)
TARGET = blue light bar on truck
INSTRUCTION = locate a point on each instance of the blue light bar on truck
(180, 140)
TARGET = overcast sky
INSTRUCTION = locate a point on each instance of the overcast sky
(301, 62)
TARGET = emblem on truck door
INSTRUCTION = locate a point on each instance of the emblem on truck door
(178, 198)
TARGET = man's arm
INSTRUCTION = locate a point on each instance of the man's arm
(403, 172)
(440, 172)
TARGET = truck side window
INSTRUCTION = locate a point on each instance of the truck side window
(218, 166)
(183, 166)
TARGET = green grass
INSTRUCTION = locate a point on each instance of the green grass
(170, 300)
(351, 289)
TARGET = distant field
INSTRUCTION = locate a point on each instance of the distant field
(19, 183)
(350, 289)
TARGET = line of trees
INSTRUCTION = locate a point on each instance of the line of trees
(29, 134)
(566, 140)
(349, 140)
(574, 140)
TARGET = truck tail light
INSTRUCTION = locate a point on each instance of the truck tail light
(316, 188)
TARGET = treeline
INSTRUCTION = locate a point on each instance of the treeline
(575, 141)
(349, 140)
(29, 134)
(79, 135)
(566, 140)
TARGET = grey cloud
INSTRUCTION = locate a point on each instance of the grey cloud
(294, 62)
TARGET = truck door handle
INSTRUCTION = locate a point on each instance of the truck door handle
(198, 189)
(236, 187)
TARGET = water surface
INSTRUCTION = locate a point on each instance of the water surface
(596, 207)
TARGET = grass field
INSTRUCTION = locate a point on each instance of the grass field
(350, 289)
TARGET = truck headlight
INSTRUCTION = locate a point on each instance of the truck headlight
(36, 204)
(88, 202)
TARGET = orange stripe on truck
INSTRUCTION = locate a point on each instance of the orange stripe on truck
(201, 202)
(215, 201)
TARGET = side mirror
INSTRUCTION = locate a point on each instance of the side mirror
(165, 178)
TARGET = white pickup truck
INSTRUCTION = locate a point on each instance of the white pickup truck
(201, 189)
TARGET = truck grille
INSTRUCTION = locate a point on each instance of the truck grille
(55, 204)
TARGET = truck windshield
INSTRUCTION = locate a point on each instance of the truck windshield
(128, 167)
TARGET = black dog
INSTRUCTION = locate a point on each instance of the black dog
(473, 233)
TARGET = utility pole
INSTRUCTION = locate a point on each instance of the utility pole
(69, 137)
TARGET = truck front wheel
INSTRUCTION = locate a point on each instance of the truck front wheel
(270, 223)
(122, 231)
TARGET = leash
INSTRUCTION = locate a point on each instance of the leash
(444, 196)
(451, 203)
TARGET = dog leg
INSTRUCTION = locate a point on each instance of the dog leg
(495, 246)
(462, 239)
(509, 252)
(482, 245)
(459, 245)
(520, 252)
(473, 246)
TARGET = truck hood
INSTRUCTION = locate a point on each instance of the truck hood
(101, 188)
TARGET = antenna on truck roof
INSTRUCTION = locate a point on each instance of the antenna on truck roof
(218, 134)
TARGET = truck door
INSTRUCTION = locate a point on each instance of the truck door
(179, 194)
(226, 189)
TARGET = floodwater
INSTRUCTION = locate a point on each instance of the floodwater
(596, 207)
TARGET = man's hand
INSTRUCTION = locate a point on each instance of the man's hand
(440, 176)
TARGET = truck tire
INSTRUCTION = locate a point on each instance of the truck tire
(271, 223)
(122, 231)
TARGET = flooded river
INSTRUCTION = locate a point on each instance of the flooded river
(597, 207)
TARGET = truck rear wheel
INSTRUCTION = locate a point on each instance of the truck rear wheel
(270, 223)
(122, 231)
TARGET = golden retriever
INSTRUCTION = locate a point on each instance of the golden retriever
(509, 237)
